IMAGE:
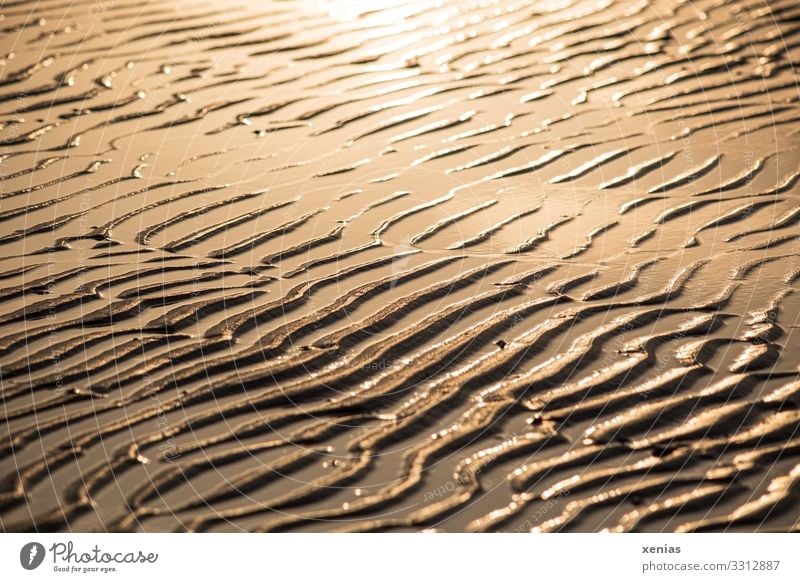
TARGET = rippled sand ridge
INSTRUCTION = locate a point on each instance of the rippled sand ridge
(399, 266)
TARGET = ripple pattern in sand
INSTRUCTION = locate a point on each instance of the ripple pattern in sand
(470, 266)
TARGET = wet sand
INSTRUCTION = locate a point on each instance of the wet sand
(389, 266)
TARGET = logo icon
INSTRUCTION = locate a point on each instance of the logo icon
(31, 555)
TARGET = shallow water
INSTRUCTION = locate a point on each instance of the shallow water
(474, 266)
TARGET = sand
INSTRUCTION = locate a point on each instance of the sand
(399, 266)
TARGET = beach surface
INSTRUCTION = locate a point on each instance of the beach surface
(399, 266)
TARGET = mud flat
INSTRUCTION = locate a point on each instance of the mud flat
(482, 266)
